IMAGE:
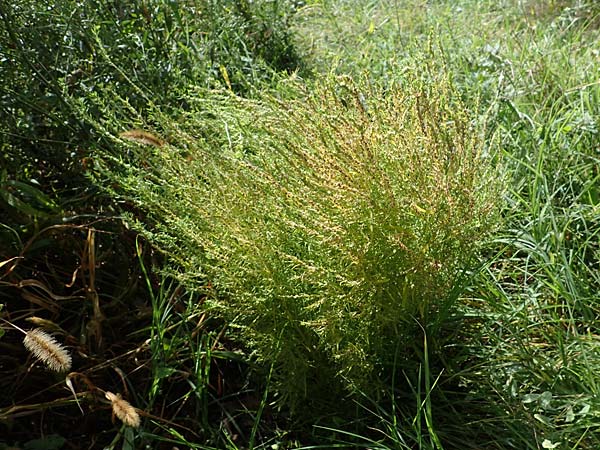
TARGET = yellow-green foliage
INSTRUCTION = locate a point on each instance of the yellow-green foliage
(329, 227)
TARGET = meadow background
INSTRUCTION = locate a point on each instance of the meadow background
(279, 224)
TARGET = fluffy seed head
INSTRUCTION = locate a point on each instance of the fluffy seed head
(123, 410)
(45, 348)
(142, 137)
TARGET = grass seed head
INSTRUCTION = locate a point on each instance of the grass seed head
(142, 137)
(45, 348)
(123, 410)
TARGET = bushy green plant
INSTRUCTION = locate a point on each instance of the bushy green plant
(147, 53)
(331, 228)
(67, 68)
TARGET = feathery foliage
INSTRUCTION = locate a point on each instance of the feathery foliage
(334, 227)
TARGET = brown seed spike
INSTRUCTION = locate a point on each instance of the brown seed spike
(123, 410)
(45, 348)
(143, 137)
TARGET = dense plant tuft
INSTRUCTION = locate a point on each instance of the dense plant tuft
(332, 228)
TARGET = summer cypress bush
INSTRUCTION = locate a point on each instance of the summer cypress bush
(332, 230)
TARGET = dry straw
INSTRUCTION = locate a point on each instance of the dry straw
(45, 348)
(123, 410)
(142, 137)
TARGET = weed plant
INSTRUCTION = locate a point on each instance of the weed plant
(533, 68)
(546, 118)
(63, 65)
(332, 230)
(332, 225)
(147, 53)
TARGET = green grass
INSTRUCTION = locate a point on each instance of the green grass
(322, 273)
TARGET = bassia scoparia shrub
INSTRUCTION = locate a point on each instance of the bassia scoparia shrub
(332, 229)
